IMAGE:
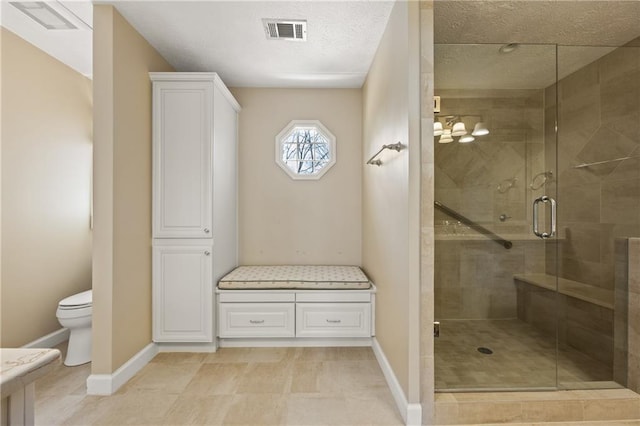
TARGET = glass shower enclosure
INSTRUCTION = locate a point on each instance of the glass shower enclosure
(537, 188)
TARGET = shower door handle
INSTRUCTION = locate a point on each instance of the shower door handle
(536, 230)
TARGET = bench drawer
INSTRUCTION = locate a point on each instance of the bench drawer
(256, 320)
(333, 320)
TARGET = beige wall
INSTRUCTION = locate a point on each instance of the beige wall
(391, 192)
(286, 221)
(122, 185)
(46, 187)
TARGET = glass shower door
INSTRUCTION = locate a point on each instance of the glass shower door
(495, 280)
(599, 186)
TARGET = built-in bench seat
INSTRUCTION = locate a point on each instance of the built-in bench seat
(296, 305)
(313, 277)
(585, 292)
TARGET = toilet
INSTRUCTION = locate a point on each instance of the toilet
(74, 313)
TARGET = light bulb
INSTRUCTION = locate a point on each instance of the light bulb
(466, 139)
(446, 137)
(437, 128)
(458, 129)
(480, 129)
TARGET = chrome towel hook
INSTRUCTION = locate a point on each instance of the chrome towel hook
(540, 180)
(507, 184)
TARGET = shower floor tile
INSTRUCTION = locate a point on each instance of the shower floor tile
(522, 357)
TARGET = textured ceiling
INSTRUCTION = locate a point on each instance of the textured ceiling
(533, 66)
(569, 22)
(582, 29)
(227, 37)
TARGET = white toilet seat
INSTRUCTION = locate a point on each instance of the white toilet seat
(77, 300)
(71, 308)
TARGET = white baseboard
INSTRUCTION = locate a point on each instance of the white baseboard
(411, 413)
(107, 384)
(414, 414)
(187, 347)
(51, 340)
(295, 342)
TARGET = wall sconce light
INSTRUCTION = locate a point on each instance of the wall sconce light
(453, 126)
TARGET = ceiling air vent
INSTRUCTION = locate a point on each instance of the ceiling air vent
(52, 15)
(281, 29)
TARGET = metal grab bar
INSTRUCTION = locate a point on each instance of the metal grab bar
(476, 227)
(396, 146)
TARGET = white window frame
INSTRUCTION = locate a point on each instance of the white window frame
(283, 135)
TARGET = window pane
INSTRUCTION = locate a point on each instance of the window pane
(306, 150)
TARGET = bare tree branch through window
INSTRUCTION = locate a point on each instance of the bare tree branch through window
(306, 150)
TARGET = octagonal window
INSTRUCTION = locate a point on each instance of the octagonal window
(305, 149)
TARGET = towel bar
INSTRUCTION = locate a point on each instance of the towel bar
(395, 146)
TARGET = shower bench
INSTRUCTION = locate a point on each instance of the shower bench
(299, 305)
(585, 292)
(579, 314)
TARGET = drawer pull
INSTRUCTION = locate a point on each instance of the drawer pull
(256, 321)
(334, 321)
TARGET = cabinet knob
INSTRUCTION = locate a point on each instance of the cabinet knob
(206, 230)
(207, 252)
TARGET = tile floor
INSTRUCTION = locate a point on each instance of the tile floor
(523, 357)
(248, 386)
(257, 386)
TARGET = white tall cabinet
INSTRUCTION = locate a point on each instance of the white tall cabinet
(194, 201)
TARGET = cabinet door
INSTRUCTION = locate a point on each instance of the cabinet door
(256, 320)
(333, 320)
(182, 294)
(182, 159)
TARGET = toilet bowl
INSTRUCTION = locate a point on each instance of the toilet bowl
(74, 313)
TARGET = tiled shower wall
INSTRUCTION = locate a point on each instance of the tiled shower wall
(490, 176)
(598, 120)
(483, 180)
